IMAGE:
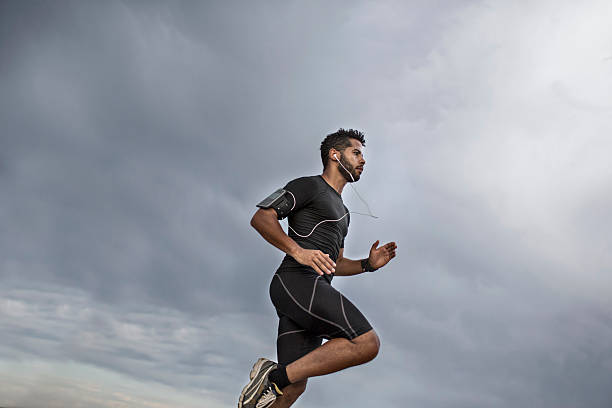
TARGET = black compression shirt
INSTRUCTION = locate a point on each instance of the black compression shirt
(315, 201)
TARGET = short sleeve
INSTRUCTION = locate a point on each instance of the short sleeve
(302, 191)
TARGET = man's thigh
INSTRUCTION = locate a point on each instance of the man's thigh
(315, 308)
(293, 341)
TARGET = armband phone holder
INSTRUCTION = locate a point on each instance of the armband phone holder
(279, 201)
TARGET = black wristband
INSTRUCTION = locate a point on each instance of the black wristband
(366, 267)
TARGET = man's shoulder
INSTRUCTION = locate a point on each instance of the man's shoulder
(307, 187)
(306, 181)
(314, 178)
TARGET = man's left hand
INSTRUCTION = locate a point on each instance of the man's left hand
(379, 257)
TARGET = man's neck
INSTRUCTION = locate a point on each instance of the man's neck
(334, 178)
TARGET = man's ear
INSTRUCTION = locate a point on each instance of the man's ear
(333, 152)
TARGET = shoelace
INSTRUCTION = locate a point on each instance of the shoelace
(266, 398)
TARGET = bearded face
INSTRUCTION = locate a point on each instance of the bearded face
(350, 168)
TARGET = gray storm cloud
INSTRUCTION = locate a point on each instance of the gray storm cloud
(137, 137)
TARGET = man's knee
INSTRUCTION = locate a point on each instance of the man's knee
(370, 344)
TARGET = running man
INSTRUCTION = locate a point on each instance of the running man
(308, 307)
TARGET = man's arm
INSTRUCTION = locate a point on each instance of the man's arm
(265, 221)
(347, 267)
(378, 258)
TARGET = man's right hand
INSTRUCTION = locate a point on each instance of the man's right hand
(317, 260)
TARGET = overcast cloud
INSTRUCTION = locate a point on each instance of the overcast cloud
(136, 138)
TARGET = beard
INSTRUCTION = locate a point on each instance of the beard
(348, 167)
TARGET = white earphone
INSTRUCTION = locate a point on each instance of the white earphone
(338, 160)
(355, 190)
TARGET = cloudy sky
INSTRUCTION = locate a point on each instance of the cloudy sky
(136, 138)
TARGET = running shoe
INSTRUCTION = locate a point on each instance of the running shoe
(268, 396)
(259, 386)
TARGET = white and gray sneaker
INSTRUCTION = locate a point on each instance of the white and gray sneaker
(260, 392)
(268, 396)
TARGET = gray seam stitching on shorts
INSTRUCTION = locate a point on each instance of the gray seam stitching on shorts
(304, 309)
(314, 288)
(347, 322)
(289, 332)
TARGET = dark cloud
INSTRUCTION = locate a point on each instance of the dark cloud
(136, 138)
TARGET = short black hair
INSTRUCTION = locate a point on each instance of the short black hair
(339, 141)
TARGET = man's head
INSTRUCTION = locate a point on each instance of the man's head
(345, 147)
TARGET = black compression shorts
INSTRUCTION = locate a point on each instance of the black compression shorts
(311, 310)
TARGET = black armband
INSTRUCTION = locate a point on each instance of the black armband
(366, 267)
(281, 200)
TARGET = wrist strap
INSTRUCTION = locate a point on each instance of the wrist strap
(366, 267)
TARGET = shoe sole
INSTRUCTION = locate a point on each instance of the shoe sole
(254, 371)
